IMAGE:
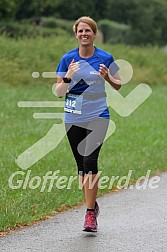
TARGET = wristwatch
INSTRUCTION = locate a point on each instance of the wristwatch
(66, 80)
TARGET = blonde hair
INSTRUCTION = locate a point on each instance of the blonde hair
(86, 20)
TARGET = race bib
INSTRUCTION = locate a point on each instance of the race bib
(73, 103)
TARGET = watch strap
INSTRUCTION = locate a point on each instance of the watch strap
(66, 80)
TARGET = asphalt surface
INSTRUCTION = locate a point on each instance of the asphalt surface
(129, 220)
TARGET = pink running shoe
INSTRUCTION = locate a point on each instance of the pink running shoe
(90, 224)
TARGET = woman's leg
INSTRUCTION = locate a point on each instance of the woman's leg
(90, 147)
(86, 140)
(90, 192)
(75, 135)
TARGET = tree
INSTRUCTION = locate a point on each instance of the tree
(148, 19)
(37, 8)
(72, 9)
(7, 8)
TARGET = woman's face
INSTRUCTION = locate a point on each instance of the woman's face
(85, 34)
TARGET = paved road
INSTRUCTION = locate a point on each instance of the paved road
(130, 220)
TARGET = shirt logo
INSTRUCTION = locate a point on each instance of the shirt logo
(94, 72)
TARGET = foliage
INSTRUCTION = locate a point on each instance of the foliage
(52, 22)
(34, 27)
(37, 8)
(8, 8)
(27, 29)
(71, 9)
(146, 19)
(114, 32)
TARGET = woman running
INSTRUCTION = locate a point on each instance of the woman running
(82, 74)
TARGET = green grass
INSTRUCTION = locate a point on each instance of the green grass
(19, 58)
(138, 143)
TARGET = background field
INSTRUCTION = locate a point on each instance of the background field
(139, 142)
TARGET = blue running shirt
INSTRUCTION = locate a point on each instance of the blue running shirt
(86, 83)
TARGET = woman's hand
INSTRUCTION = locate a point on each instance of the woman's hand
(72, 69)
(104, 72)
(114, 80)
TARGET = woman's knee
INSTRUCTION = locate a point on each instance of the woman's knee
(90, 165)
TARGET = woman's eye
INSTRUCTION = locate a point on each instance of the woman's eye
(87, 30)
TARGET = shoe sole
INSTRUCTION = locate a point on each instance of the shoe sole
(88, 229)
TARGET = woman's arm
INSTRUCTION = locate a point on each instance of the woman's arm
(114, 81)
(61, 86)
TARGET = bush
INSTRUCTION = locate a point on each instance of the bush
(52, 22)
(34, 27)
(15, 30)
(114, 32)
(27, 29)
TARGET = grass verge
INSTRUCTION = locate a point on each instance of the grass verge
(138, 145)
